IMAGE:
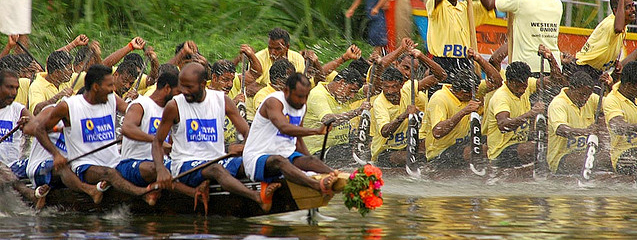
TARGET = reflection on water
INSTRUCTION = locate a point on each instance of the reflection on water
(461, 209)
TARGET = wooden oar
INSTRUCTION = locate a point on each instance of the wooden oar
(327, 124)
(412, 132)
(593, 141)
(29, 53)
(472, 34)
(241, 105)
(197, 168)
(362, 153)
(6, 136)
(540, 128)
(478, 164)
(510, 18)
(96, 150)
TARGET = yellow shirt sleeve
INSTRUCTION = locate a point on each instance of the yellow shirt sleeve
(507, 5)
(36, 95)
(317, 106)
(381, 114)
(23, 91)
(612, 108)
(558, 115)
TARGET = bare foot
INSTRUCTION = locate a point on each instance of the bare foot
(152, 197)
(267, 191)
(202, 193)
(95, 194)
(40, 195)
(325, 185)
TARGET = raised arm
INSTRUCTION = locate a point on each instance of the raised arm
(81, 40)
(438, 73)
(153, 75)
(350, 11)
(256, 70)
(494, 80)
(135, 44)
(13, 39)
(352, 52)
(556, 78)
(620, 17)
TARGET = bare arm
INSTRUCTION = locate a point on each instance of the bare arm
(81, 40)
(439, 74)
(494, 80)
(444, 127)
(498, 56)
(556, 78)
(121, 105)
(132, 121)
(507, 124)
(567, 131)
(168, 119)
(114, 58)
(272, 109)
(620, 18)
(153, 75)
(300, 145)
(57, 113)
(13, 39)
(352, 52)
(352, 8)
(619, 126)
(391, 127)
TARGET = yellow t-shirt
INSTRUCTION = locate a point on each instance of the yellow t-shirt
(533, 26)
(320, 103)
(504, 101)
(264, 58)
(615, 104)
(563, 111)
(23, 91)
(150, 90)
(261, 95)
(448, 34)
(383, 113)
(603, 46)
(442, 106)
(42, 90)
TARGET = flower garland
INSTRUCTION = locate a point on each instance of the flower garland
(362, 191)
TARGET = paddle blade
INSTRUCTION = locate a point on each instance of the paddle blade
(478, 164)
(541, 166)
(362, 153)
(412, 146)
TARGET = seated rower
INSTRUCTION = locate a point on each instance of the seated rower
(621, 115)
(89, 123)
(447, 123)
(196, 119)
(274, 146)
(571, 118)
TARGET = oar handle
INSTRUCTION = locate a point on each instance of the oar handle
(15, 129)
(96, 150)
(29, 53)
(327, 124)
(154, 186)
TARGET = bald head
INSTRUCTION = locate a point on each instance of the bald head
(194, 71)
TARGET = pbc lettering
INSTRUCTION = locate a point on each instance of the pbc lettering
(577, 143)
(455, 50)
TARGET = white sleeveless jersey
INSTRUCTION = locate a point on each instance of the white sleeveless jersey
(10, 148)
(265, 139)
(92, 126)
(199, 133)
(149, 124)
(39, 154)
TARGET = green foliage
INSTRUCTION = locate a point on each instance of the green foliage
(218, 27)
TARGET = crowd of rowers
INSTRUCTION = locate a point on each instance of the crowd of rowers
(184, 113)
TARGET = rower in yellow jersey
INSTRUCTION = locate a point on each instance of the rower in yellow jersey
(621, 116)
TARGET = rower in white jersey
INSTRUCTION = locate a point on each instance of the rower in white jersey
(274, 145)
(12, 114)
(196, 119)
(140, 125)
(89, 121)
(39, 166)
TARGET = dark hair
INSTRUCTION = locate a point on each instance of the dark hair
(278, 33)
(179, 47)
(168, 78)
(297, 78)
(223, 66)
(4, 73)
(82, 53)
(128, 68)
(629, 73)
(518, 72)
(279, 70)
(350, 76)
(392, 74)
(613, 5)
(135, 58)
(15, 62)
(360, 65)
(96, 74)
(168, 68)
(464, 79)
(580, 79)
(58, 60)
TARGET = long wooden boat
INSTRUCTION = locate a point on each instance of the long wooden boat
(290, 197)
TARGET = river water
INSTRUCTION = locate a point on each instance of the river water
(413, 209)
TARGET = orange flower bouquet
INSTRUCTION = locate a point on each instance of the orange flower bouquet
(362, 191)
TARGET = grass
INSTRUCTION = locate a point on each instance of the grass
(218, 27)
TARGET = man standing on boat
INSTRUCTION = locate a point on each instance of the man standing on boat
(603, 47)
(536, 22)
(196, 119)
(447, 119)
(275, 147)
(448, 36)
(89, 123)
(571, 120)
(621, 114)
